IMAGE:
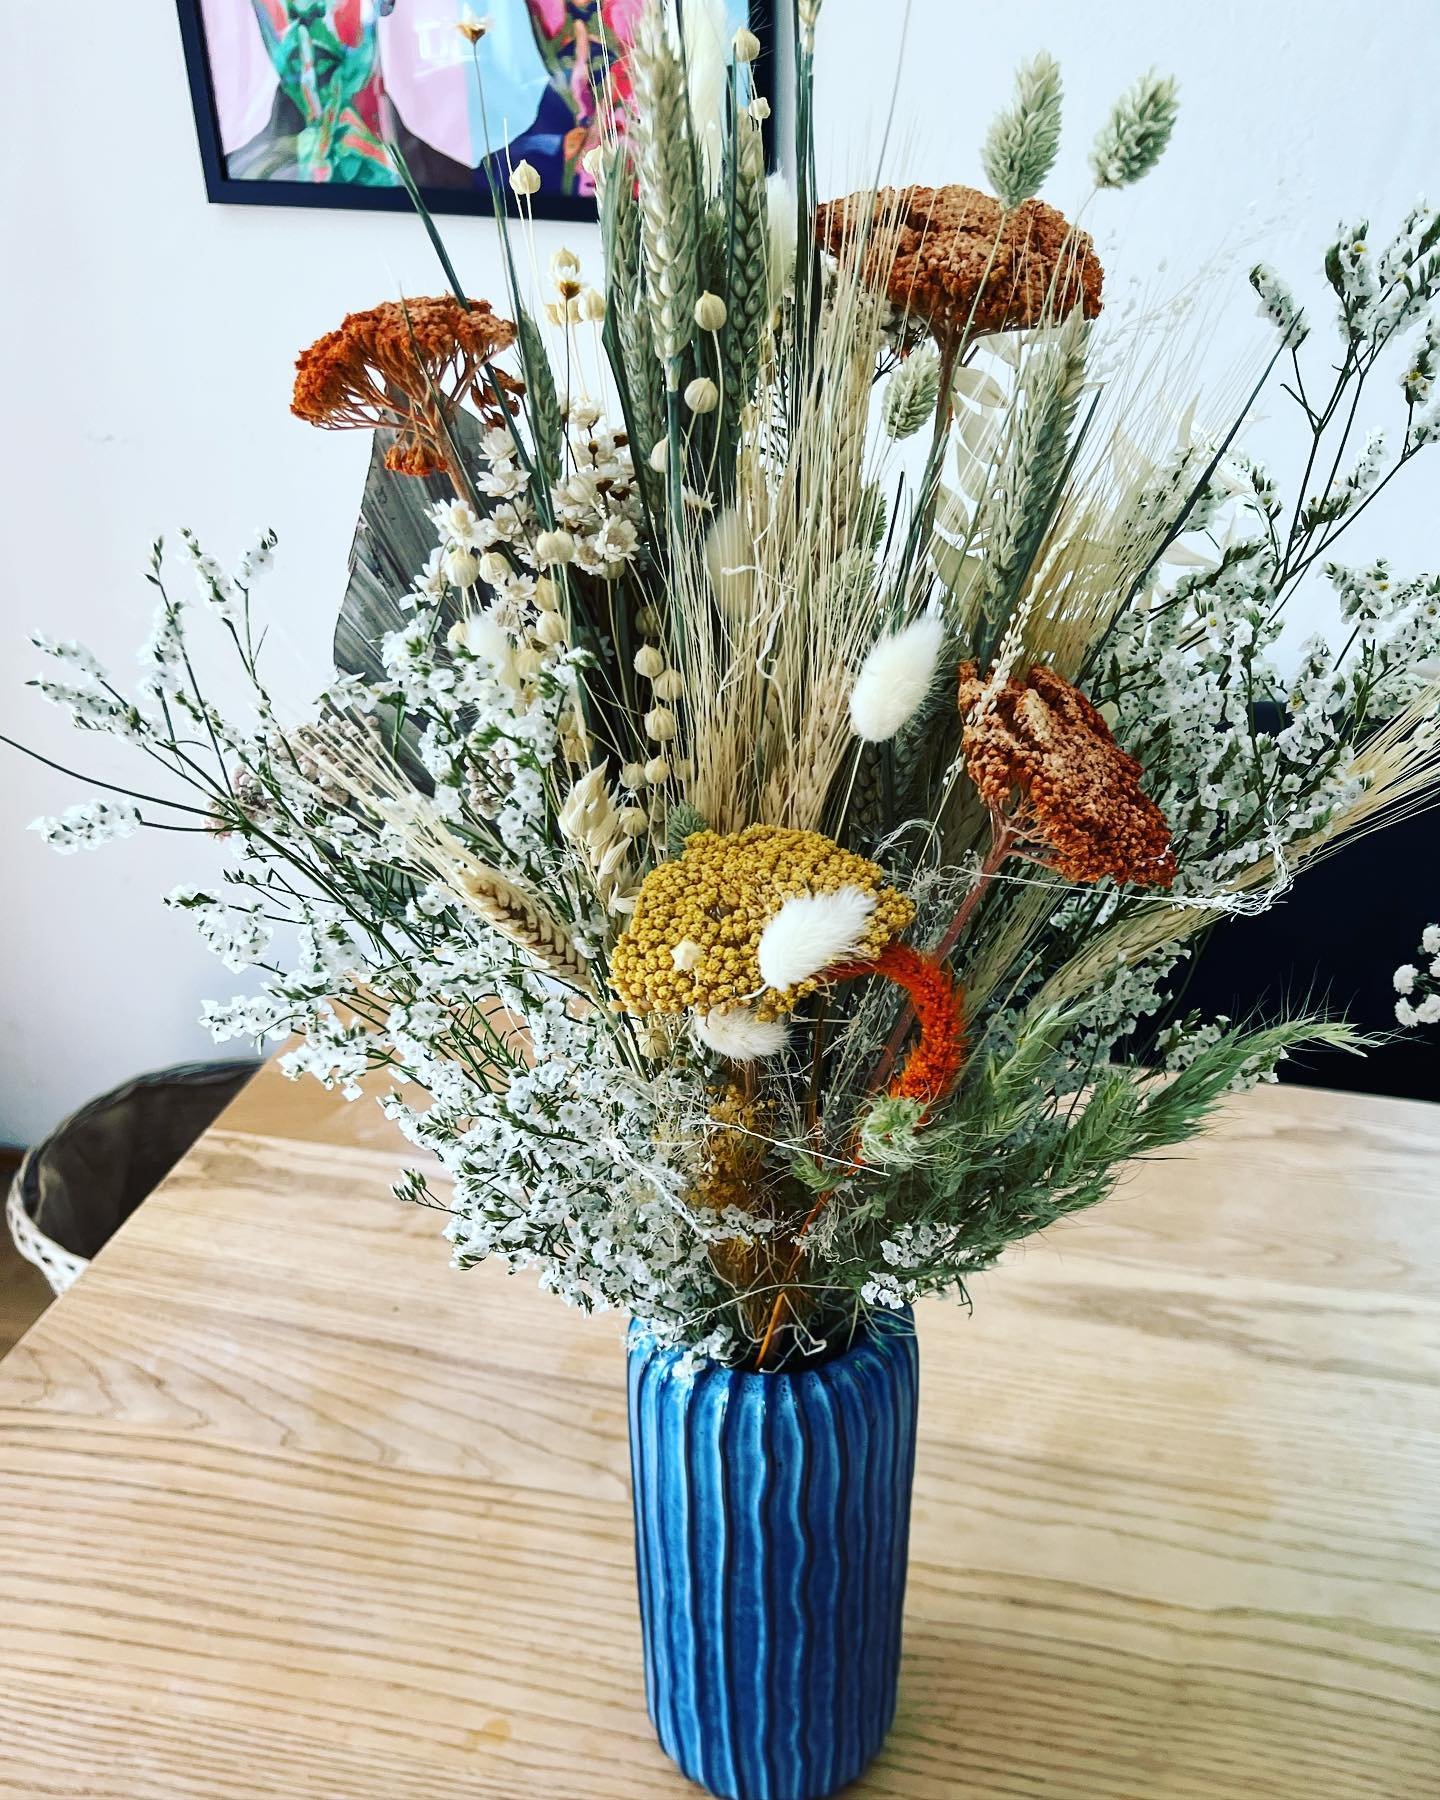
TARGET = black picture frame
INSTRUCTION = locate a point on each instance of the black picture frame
(223, 189)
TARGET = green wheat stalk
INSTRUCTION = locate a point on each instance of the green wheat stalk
(1021, 146)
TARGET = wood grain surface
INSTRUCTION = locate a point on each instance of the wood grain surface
(289, 1510)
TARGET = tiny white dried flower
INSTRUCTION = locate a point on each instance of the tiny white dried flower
(811, 932)
(616, 540)
(759, 109)
(894, 679)
(525, 178)
(457, 521)
(1405, 978)
(1430, 940)
(686, 955)
(564, 264)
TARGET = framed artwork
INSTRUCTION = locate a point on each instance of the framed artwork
(296, 100)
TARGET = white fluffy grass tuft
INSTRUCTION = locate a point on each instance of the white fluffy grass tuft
(738, 1034)
(812, 931)
(894, 679)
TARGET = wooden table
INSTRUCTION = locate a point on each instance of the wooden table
(289, 1509)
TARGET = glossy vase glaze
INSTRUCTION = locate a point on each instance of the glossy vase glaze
(772, 1517)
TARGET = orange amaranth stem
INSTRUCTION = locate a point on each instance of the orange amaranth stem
(929, 1073)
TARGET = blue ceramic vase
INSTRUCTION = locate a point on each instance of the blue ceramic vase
(772, 1517)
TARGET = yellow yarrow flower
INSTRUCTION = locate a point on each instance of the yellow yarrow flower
(717, 899)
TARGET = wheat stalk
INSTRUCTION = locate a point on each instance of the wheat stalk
(361, 768)
(748, 278)
(514, 913)
(668, 200)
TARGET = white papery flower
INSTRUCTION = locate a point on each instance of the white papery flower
(894, 679)
(617, 540)
(458, 524)
(812, 932)
(1405, 978)
(1430, 940)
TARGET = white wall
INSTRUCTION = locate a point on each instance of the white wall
(147, 340)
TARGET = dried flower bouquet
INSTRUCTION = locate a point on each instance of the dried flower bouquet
(801, 705)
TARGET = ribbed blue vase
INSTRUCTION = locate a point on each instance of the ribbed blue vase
(772, 1519)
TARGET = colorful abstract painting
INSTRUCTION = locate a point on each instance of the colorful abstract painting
(298, 101)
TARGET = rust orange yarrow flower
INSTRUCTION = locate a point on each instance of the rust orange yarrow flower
(1051, 773)
(955, 258)
(408, 365)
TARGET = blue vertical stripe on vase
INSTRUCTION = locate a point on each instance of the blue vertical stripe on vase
(772, 1517)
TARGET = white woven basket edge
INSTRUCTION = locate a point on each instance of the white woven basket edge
(60, 1267)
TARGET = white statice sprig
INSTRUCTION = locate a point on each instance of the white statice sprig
(1280, 306)
(88, 825)
(1417, 984)
(239, 935)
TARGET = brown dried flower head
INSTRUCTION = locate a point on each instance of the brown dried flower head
(1046, 764)
(955, 258)
(408, 365)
